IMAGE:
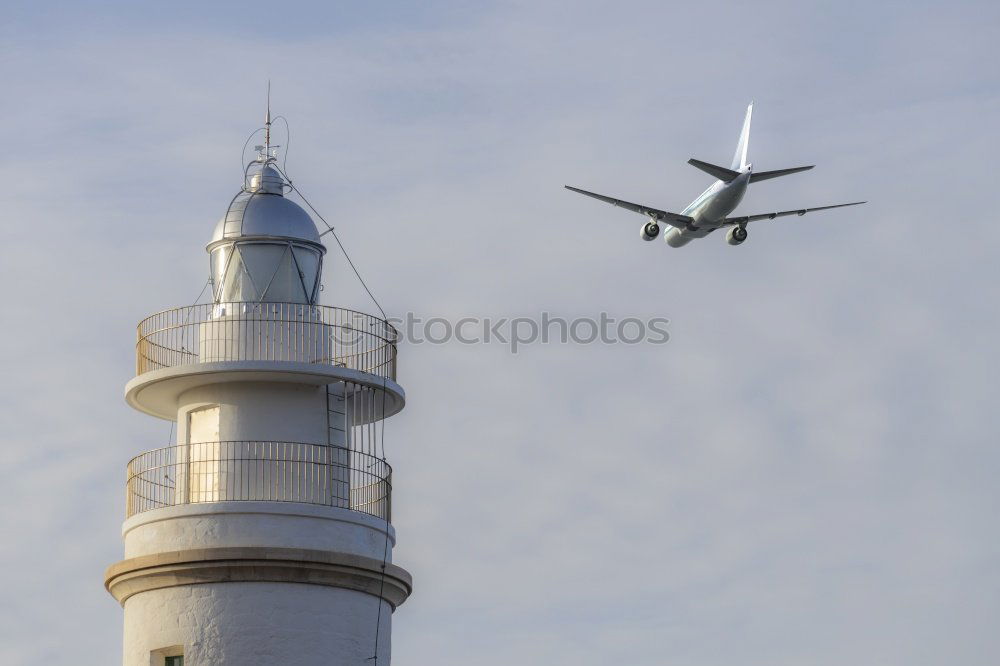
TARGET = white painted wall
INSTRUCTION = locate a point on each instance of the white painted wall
(272, 332)
(257, 624)
(260, 411)
(277, 524)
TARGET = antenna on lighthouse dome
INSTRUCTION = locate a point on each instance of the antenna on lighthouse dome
(267, 153)
(267, 121)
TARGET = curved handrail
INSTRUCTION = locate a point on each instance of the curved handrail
(265, 331)
(260, 471)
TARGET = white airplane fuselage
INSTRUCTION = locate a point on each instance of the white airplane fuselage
(710, 209)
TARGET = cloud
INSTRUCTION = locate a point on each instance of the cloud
(800, 476)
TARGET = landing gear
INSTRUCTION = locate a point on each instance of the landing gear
(736, 235)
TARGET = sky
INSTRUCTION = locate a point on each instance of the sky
(805, 474)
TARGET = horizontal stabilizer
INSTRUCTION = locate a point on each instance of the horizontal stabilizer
(765, 175)
(722, 173)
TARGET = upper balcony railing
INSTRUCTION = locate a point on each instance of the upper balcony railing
(267, 332)
(261, 472)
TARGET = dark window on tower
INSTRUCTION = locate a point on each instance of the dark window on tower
(174, 661)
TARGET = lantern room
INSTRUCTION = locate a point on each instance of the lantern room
(266, 247)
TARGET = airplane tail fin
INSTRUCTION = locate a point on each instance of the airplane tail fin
(740, 158)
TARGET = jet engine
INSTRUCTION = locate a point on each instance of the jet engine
(649, 231)
(736, 235)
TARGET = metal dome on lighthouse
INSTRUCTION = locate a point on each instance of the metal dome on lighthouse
(263, 534)
(266, 247)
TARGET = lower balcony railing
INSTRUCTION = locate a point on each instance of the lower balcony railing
(259, 471)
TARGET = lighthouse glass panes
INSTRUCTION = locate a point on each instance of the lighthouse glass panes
(269, 272)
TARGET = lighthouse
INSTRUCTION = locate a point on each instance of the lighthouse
(263, 535)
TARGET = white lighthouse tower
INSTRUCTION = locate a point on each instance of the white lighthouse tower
(263, 536)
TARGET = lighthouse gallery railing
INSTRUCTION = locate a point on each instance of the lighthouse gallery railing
(259, 471)
(267, 332)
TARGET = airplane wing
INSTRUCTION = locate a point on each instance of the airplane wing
(732, 221)
(673, 219)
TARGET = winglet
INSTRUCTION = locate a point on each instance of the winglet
(740, 158)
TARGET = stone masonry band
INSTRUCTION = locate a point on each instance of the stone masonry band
(255, 564)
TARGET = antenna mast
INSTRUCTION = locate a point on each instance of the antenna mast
(267, 124)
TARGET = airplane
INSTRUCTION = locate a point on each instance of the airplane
(711, 209)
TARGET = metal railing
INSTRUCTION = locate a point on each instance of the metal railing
(267, 332)
(259, 471)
